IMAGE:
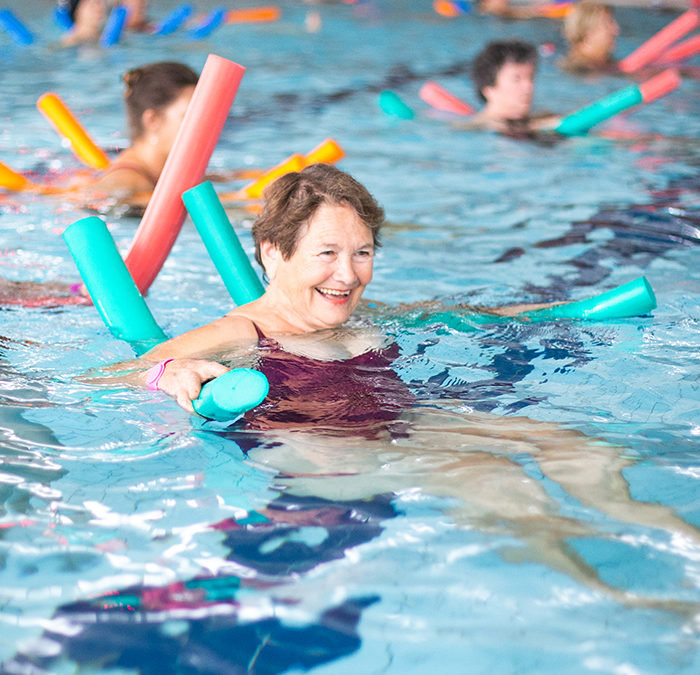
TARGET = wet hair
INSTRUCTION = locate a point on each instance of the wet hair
(69, 6)
(494, 56)
(154, 86)
(292, 200)
(582, 18)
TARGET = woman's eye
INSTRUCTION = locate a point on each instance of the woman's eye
(364, 254)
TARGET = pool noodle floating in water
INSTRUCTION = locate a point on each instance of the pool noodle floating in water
(56, 111)
(173, 21)
(452, 8)
(15, 28)
(209, 24)
(634, 298)
(254, 190)
(253, 14)
(111, 288)
(11, 180)
(582, 120)
(115, 26)
(194, 144)
(61, 17)
(655, 45)
(438, 97)
(221, 242)
(681, 51)
(391, 104)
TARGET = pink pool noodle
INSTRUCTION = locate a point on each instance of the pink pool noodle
(683, 50)
(659, 85)
(184, 168)
(438, 97)
(656, 44)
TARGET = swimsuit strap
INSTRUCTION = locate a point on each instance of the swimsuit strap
(261, 335)
(131, 166)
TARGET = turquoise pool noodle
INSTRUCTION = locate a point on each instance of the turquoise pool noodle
(631, 299)
(222, 243)
(581, 121)
(231, 394)
(110, 285)
(391, 104)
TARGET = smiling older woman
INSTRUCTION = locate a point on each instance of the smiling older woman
(339, 422)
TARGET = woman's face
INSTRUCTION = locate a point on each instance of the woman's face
(323, 280)
(170, 119)
(601, 37)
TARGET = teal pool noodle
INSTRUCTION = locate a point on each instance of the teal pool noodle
(230, 395)
(391, 104)
(581, 121)
(110, 285)
(222, 243)
(631, 299)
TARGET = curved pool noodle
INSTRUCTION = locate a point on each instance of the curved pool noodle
(231, 395)
(631, 299)
(173, 21)
(114, 26)
(11, 180)
(209, 24)
(554, 10)
(391, 104)
(681, 51)
(255, 189)
(326, 152)
(582, 120)
(61, 17)
(194, 144)
(222, 243)
(56, 111)
(656, 44)
(254, 14)
(113, 291)
(15, 28)
(438, 97)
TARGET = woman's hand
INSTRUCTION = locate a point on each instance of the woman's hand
(183, 379)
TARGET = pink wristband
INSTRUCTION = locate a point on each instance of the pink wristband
(154, 374)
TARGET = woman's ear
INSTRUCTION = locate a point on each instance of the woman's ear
(150, 121)
(270, 255)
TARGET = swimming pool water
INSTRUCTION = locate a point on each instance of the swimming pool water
(127, 542)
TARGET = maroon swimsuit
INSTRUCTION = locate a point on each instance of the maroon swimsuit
(362, 394)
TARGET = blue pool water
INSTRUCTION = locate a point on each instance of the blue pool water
(131, 539)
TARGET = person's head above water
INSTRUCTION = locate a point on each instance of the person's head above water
(89, 18)
(591, 31)
(503, 74)
(316, 239)
(153, 92)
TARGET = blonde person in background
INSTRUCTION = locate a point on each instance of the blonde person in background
(591, 32)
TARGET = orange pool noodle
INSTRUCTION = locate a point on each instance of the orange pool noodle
(255, 189)
(194, 144)
(445, 8)
(253, 15)
(55, 110)
(11, 180)
(326, 152)
(681, 51)
(438, 97)
(556, 10)
(656, 44)
(659, 85)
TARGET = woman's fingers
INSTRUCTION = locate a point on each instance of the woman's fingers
(183, 379)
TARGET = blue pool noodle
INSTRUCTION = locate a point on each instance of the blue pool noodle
(114, 26)
(15, 28)
(222, 243)
(111, 287)
(61, 17)
(173, 21)
(209, 24)
(230, 395)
